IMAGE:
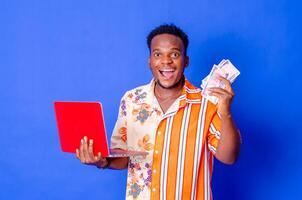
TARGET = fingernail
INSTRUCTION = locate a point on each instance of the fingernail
(82, 141)
(99, 153)
(90, 141)
(77, 150)
(85, 138)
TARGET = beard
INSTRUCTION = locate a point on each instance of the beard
(177, 84)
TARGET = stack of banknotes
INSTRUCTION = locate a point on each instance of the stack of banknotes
(225, 69)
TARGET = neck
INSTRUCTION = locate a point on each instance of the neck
(169, 93)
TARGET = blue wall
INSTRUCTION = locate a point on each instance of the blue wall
(96, 50)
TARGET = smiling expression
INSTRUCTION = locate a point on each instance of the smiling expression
(167, 60)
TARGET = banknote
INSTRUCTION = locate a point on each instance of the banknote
(225, 69)
(204, 81)
(228, 71)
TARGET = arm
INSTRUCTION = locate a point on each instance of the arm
(229, 144)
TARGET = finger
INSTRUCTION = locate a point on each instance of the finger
(226, 82)
(219, 90)
(85, 150)
(99, 156)
(78, 154)
(82, 157)
(101, 160)
(221, 94)
(221, 78)
(90, 150)
(216, 94)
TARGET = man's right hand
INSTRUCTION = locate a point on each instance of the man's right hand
(86, 156)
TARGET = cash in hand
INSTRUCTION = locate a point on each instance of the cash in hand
(225, 69)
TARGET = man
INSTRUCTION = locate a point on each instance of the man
(170, 120)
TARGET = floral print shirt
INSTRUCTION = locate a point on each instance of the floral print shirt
(139, 116)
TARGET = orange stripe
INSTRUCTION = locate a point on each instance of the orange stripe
(173, 154)
(210, 172)
(216, 122)
(159, 141)
(212, 117)
(211, 109)
(200, 180)
(190, 152)
(193, 96)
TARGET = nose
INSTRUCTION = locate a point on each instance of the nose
(166, 59)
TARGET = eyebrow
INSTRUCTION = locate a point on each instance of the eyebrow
(177, 49)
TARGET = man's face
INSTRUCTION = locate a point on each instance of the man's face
(167, 60)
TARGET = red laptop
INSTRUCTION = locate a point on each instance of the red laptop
(78, 119)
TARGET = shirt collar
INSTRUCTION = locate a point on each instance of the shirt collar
(189, 94)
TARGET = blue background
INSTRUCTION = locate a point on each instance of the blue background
(96, 50)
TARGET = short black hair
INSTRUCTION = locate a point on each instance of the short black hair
(168, 29)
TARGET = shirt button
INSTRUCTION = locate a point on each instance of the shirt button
(153, 189)
(154, 171)
(156, 151)
(158, 133)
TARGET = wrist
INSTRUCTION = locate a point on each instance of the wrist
(107, 164)
(224, 115)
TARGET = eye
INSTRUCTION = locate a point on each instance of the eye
(175, 55)
(156, 54)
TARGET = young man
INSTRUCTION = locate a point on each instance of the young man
(170, 119)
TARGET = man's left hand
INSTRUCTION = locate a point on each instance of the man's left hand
(225, 97)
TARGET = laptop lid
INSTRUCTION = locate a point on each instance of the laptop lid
(78, 119)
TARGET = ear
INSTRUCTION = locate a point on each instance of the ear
(187, 61)
(149, 62)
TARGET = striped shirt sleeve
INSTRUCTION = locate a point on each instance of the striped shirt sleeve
(119, 134)
(213, 135)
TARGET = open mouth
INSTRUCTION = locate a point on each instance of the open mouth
(167, 73)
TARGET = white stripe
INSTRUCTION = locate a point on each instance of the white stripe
(182, 152)
(214, 131)
(209, 182)
(193, 101)
(182, 97)
(198, 145)
(211, 148)
(192, 90)
(165, 158)
(206, 175)
(170, 114)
